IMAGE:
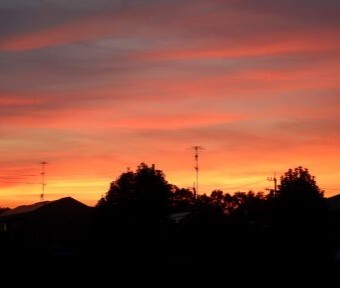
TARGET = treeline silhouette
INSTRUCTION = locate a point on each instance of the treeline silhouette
(143, 218)
(287, 225)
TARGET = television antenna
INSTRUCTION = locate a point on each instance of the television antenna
(196, 151)
(43, 183)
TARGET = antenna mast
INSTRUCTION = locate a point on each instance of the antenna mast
(196, 149)
(43, 183)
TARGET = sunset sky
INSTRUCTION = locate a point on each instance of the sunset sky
(94, 87)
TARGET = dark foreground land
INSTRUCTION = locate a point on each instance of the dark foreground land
(133, 233)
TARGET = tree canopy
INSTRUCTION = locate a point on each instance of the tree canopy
(299, 184)
(141, 193)
(299, 200)
(142, 203)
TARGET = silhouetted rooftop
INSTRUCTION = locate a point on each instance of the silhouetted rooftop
(30, 208)
(177, 217)
(25, 208)
(333, 202)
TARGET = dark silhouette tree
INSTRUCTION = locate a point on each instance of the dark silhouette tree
(134, 208)
(152, 191)
(141, 194)
(249, 208)
(121, 193)
(299, 199)
(217, 196)
(300, 215)
(217, 200)
(299, 184)
(181, 200)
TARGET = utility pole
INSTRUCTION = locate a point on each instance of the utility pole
(43, 184)
(196, 149)
(274, 179)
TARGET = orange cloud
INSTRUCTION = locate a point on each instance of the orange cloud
(259, 89)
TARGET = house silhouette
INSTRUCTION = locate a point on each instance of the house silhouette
(49, 228)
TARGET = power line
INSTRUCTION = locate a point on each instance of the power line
(245, 185)
(17, 182)
(16, 176)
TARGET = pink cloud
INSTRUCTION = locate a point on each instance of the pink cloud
(258, 89)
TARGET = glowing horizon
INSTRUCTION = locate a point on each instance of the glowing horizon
(94, 87)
